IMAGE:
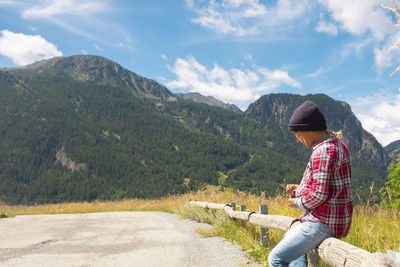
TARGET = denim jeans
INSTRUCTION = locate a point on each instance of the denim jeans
(298, 241)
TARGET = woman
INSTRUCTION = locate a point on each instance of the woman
(324, 192)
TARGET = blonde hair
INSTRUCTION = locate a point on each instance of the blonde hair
(339, 133)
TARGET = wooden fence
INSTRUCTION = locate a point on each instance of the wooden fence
(332, 251)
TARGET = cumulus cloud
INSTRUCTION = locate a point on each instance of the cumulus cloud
(25, 49)
(359, 16)
(244, 17)
(233, 86)
(382, 117)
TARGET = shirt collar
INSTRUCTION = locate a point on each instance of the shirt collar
(324, 140)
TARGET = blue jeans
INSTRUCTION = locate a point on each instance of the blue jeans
(298, 241)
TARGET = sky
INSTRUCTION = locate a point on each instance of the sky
(233, 50)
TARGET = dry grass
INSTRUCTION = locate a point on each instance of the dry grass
(163, 204)
(375, 229)
(207, 232)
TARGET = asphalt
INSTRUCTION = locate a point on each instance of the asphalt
(112, 239)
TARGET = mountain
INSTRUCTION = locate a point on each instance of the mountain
(393, 149)
(98, 70)
(82, 128)
(212, 101)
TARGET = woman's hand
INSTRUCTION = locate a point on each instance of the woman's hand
(292, 202)
(291, 189)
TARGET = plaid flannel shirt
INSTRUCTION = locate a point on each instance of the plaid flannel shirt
(325, 191)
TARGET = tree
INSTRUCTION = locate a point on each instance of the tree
(391, 192)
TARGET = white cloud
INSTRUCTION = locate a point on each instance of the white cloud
(276, 78)
(365, 18)
(319, 71)
(327, 27)
(381, 117)
(245, 17)
(387, 54)
(81, 17)
(359, 16)
(9, 3)
(164, 57)
(233, 86)
(190, 3)
(357, 46)
(25, 49)
(51, 8)
(98, 48)
(383, 57)
(288, 10)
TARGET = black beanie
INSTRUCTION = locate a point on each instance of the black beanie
(307, 117)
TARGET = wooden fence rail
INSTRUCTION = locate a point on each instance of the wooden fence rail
(332, 251)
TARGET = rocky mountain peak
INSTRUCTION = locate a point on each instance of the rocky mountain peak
(100, 70)
(209, 100)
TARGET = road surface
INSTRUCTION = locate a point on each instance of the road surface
(112, 239)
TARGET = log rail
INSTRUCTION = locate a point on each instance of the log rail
(332, 251)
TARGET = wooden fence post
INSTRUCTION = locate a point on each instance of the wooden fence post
(243, 208)
(264, 231)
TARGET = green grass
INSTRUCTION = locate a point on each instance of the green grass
(2, 214)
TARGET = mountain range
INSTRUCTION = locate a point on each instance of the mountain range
(210, 100)
(393, 149)
(82, 128)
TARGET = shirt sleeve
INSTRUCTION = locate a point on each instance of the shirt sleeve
(299, 205)
(323, 165)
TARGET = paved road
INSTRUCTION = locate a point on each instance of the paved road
(112, 239)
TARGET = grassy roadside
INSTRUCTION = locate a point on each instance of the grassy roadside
(164, 204)
(373, 229)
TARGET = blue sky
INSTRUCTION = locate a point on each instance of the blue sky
(234, 50)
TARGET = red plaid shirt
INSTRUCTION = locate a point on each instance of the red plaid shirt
(324, 191)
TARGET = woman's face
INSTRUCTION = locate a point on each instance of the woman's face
(307, 138)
